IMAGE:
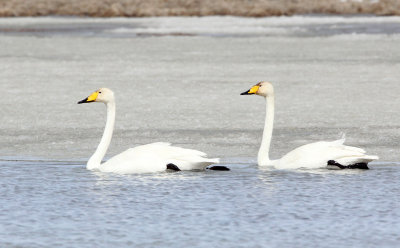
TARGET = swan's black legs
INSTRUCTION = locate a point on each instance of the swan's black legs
(173, 167)
(363, 166)
(334, 163)
(219, 168)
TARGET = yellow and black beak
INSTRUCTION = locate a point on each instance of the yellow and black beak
(91, 98)
(251, 91)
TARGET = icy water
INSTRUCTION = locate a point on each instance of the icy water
(179, 80)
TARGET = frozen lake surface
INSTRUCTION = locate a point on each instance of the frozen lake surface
(179, 80)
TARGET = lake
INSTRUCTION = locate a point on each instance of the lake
(178, 79)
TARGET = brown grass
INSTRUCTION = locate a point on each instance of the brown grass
(140, 8)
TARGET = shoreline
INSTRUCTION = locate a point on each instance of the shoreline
(153, 8)
(208, 26)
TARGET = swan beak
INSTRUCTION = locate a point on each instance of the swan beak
(251, 91)
(90, 98)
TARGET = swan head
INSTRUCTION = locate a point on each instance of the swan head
(264, 89)
(103, 95)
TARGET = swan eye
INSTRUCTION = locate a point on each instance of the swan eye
(99, 92)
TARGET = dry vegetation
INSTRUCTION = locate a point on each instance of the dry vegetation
(139, 8)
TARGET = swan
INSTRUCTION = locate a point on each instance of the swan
(333, 154)
(154, 157)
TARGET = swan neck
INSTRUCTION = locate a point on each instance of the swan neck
(263, 153)
(95, 161)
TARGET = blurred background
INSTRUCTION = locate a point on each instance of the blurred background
(178, 79)
(142, 8)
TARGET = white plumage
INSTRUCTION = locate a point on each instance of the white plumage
(152, 157)
(317, 154)
(314, 155)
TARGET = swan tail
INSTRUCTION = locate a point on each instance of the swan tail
(340, 141)
(200, 160)
(203, 165)
(184, 151)
(369, 158)
(374, 157)
(213, 160)
(340, 144)
(349, 157)
(354, 149)
(182, 158)
(353, 162)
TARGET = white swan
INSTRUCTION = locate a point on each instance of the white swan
(314, 155)
(153, 157)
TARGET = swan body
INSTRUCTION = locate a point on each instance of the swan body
(313, 155)
(155, 157)
(152, 157)
(317, 155)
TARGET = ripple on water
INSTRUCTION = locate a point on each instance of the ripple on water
(59, 203)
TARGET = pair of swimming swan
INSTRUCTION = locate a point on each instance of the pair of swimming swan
(156, 157)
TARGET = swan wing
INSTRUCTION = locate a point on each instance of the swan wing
(154, 157)
(185, 159)
(317, 154)
(141, 159)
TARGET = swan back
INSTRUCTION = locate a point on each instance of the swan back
(155, 157)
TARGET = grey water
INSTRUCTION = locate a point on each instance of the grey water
(178, 80)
